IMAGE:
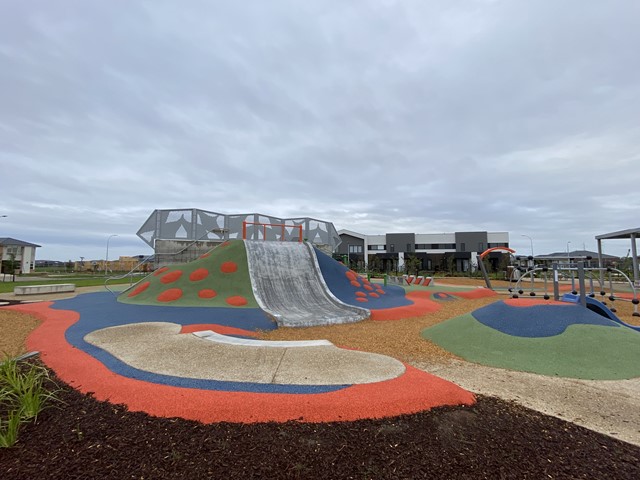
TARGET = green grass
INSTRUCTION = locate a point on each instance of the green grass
(7, 287)
(23, 395)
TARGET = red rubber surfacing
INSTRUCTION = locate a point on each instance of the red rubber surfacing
(413, 391)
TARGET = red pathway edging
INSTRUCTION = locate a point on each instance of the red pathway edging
(413, 391)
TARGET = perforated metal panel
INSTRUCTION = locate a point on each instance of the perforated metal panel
(195, 224)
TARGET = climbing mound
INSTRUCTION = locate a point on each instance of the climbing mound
(219, 278)
(558, 340)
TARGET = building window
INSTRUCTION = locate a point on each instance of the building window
(392, 248)
(355, 248)
(377, 247)
(463, 247)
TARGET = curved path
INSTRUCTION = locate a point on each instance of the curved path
(287, 284)
(160, 347)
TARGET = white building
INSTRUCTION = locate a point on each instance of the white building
(434, 250)
(22, 253)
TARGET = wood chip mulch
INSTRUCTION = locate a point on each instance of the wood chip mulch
(87, 439)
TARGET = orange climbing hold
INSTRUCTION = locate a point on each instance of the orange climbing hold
(229, 267)
(368, 287)
(171, 277)
(199, 274)
(361, 294)
(170, 295)
(160, 271)
(374, 295)
(360, 299)
(236, 301)
(207, 293)
(139, 289)
(355, 284)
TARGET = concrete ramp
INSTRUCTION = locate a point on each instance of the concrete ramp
(287, 284)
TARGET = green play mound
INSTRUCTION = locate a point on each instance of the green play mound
(219, 278)
(582, 351)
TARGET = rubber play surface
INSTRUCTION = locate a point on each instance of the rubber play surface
(566, 340)
(61, 341)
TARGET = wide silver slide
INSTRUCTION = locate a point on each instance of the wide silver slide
(288, 285)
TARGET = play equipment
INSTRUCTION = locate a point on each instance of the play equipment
(485, 274)
(260, 228)
(577, 271)
(288, 285)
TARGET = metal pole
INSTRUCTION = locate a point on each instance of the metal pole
(600, 263)
(634, 260)
(583, 297)
(531, 241)
(556, 289)
(568, 257)
(106, 261)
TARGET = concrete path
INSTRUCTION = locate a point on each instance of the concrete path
(158, 347)
(287, 284)
(611, 407)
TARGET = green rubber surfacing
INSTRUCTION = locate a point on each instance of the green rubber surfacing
(225, 284)
(583, 351)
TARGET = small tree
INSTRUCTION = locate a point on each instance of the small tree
(412, 264)
(9, 266)
(375, 264)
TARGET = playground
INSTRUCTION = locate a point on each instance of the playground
(253, 335)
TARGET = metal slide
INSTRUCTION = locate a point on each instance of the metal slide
(288, 285)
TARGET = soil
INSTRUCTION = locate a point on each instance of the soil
(84, 438)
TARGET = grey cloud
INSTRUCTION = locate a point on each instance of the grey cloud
(379, 116)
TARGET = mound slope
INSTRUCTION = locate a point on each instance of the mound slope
(518, 338)
(219, 278)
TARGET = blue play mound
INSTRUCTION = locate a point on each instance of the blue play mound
(599, 308)
(348, 287)
(538, 320)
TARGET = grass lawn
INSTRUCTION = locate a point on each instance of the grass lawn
(79, 281)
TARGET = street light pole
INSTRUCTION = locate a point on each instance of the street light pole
(568, 257)
(531, 241)
(106, 261)
(348, 256)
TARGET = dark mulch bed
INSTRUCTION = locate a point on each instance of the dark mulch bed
(493, 439)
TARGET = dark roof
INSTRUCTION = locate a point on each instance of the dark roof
(575, 254)
(619, 234)
(12, 241)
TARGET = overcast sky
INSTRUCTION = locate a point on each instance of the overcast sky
(380, 116)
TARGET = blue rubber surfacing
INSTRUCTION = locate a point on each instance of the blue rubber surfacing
(538, 320)
(102, 310)
(334, 274)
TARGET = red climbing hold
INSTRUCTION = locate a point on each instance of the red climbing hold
(160, 271)
(207, 293)
(236, 301)
(229, 267)
(171, 276)
(170, 295)
(139, 289)
(199, 274)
